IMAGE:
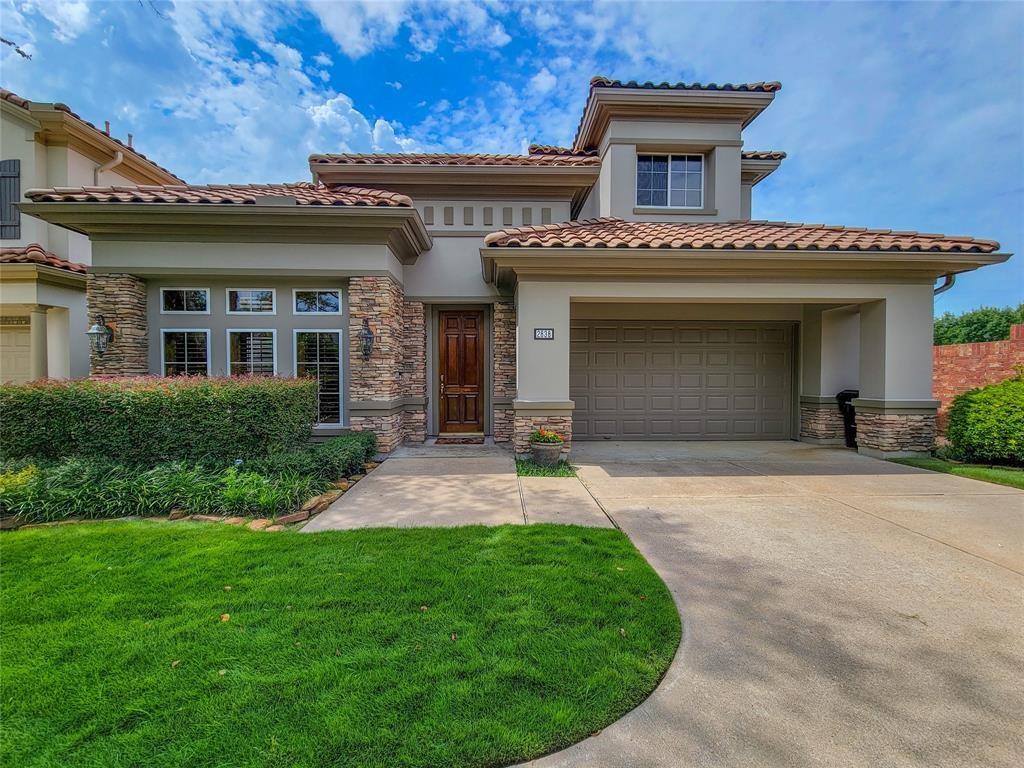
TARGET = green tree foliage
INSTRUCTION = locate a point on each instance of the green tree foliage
(984, 324)
(987, 424)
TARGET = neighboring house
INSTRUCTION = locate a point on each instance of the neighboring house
(42, 266)
(615, 289)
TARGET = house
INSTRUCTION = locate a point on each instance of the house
(42, 266)
(614, 289)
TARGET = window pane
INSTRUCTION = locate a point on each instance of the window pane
(251, 300)
(173, 301)
(694, 163)
(659, 163)
(644, 163)
(318, 354)
(329, 301)
(305, 301)
(251, 352)
(185, 353)
(693, 199)
(195, 300)
(644, 197)
(659, 197)
(195, 353)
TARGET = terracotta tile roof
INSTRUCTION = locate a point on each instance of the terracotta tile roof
(567, 158)
(762, 87)
(551, 149)
(304, 193)
(751, 235)
(763, 155)
(18, 101)
(35, 254)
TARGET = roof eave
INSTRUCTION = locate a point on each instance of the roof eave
(755, 170)
(400, 227)
(503, 265)
(605, 103)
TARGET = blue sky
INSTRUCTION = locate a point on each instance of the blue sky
(901, 116)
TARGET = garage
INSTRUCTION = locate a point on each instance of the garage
(666, 380)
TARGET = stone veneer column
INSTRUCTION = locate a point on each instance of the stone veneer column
(375, 386)
(121, 299)
(504, 373)
(887, 430)
(414, 372)
(821, 421)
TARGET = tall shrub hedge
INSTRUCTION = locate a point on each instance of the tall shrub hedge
(150, 420)
(987, 424)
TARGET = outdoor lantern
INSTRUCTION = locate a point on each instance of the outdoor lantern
(366, 339)
(100, 335)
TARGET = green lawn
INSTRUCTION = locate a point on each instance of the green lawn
(530, 468)
(1001, 475)
(419, 647)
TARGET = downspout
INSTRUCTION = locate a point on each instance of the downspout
(949, 280)
(118, 159)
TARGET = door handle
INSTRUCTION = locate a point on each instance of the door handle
(442, 383)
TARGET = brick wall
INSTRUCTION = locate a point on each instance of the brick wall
(961, 367)
(414, 369)
(121, 299)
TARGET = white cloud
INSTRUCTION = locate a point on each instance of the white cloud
(543, 81)
(323, 59)
(360, 26)
(394, 84)
(69, 18)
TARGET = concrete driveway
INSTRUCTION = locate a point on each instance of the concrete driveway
(837, 610)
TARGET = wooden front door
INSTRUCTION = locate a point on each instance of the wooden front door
(462, 371)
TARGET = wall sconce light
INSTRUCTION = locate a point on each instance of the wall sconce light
(366, 339)
(100, 336)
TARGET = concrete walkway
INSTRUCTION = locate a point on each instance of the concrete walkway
(457, 485)
(837, 610)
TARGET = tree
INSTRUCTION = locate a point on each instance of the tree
(984, 324)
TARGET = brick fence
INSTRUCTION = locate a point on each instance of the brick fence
(961, 367)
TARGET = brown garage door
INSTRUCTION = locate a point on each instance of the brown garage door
(640, 380)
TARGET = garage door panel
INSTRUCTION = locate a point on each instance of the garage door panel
(641, 380)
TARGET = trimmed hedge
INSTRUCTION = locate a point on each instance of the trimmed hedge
(150, 420)
(987, 424)
(92, 488)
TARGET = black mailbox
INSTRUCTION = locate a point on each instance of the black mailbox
(846, 408)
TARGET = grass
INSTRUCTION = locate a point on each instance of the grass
(530, 468)
(1010, 476)
(418, 647)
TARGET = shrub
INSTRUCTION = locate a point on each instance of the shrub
(987, 424)
(151, 420)
(95, 488)
(543, 435)
(327, 461)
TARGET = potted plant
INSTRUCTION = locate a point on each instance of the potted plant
(546, 447)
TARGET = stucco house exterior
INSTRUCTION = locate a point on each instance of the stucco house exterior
(614, 289)
(43, 266)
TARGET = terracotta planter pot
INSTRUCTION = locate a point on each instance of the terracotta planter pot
(546, 454)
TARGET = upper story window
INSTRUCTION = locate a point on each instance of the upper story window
(10, 193)
(251, 301)
(670, 181)
(175, 301)
(317, 302)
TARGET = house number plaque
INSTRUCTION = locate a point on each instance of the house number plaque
(544, 334)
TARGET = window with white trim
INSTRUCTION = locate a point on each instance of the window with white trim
(251, 301)
(318, 356)
(251, 352)
(317, 302)
(175, 301)
(670, 181)
(185, 352)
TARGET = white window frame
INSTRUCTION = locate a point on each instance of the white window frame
(342, 412)
(184, 311)
(229, 311)
(668, 190)
(209, 349)
(227, 345)
(295, 296)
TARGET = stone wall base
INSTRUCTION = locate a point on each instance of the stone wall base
(414, 426)
(121, 299)
(524, 425)
(892, 435)
(387, 427)
(504, 425)
(821, 424)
